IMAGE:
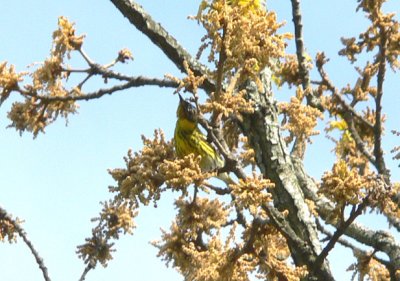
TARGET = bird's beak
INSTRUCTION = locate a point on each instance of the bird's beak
(181, 100)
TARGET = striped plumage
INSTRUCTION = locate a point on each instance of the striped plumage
(189, 139)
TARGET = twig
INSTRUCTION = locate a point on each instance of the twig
(133, 82)
(351, 246)
(299, 146)
(218, 190)
(298, 33)
(380, 163)
(339, 232)
(356, 137)
(4, 215)
(335, 92)
(85, 272)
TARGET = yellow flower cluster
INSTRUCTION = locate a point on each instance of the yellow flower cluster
(273, 255)
(203, 215)
(190, 83)
(288, 71)
(96, 249)
(117, 217)
(347, 186)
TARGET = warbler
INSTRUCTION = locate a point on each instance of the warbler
(189, 139)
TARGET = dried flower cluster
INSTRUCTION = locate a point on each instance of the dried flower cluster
(288, 71)
(8, 80)
(190, 83)
(241, 38)
(196, 247)
(275, 263)
(302, 119)
(35, 113)
(348, 186)
(142, 178)
(64, 38)
(139, 183)
(7, 230)
(116, 217)
(47, 97)
(180, 173)
(368, 267)
(228, 104)
(385, 27)
(252, 193)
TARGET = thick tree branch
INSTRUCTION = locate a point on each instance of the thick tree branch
(263, 131)
(161, 38)
(5, 216)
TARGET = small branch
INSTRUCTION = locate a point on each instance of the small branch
(86, 57)
(378, 104)
(298, 33)
(85, 272)
(335, 92)
(4, 215)
(359, 143)
(218, 190)
(300, 143)
(339, 232)
(349, 245)
(134, 82)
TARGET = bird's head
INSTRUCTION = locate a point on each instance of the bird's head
(186, 110)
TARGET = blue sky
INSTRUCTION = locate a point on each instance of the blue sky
(56, 181)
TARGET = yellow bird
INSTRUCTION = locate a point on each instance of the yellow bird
(189, 139)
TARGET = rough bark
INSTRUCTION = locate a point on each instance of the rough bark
(263, 130)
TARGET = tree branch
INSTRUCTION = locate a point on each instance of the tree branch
(85, 271)
(340, 231)
(347, 244)
(137, 81)
(160, 37)
(264, 135)
(335, 92)
(380, 163)
(379, 240)
(5, 216)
